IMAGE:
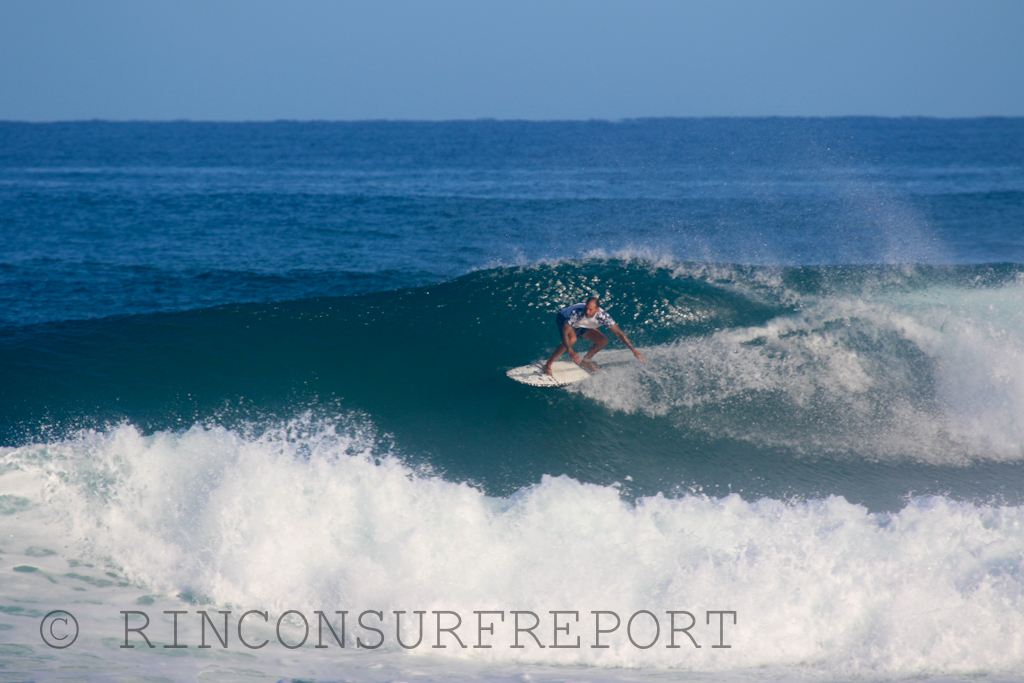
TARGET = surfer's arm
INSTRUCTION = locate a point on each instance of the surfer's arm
(617, 331)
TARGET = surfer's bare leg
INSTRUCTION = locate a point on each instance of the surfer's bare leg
(568, 339)
(547, 366)
(600, 341)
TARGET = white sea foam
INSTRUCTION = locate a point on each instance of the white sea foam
(328, 522)
(935, 375)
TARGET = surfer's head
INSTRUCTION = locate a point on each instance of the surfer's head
(593, 306)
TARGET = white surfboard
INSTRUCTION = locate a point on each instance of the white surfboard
(565, 371)
(534, 375)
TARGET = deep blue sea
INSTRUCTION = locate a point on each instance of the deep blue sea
(254, 373)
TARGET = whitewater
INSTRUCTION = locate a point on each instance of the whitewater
(819, 588)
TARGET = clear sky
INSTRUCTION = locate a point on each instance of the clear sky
(522, 59)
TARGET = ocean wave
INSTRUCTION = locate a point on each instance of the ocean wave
(747, 366)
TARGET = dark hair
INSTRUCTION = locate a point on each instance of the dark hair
(595, 300)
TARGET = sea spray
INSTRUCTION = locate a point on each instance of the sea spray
(933, 374)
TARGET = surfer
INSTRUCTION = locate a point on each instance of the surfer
(582, 320)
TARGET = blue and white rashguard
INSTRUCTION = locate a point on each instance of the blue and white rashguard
(576, 317)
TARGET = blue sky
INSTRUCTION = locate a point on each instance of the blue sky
(551, 59)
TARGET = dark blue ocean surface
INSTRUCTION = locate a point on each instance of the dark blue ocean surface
(105, 219)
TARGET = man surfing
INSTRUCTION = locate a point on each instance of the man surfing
(582, 320)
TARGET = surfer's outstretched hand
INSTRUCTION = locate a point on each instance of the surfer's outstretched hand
(639, 355)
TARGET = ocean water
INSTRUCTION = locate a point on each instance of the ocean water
(252, 388)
